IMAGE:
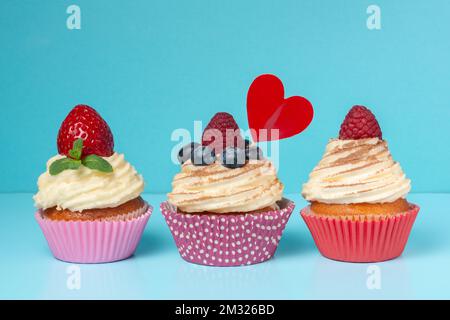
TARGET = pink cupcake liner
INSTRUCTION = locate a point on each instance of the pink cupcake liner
(227, 239)
(371, 240)
(94, 241)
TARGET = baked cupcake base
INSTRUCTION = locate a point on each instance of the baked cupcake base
(361, 238)
(355, 209)
(95, 241)
(122, 212)
(227, 239)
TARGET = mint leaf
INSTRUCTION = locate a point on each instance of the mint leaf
(60, 165)
(76, 150)
(95, 162)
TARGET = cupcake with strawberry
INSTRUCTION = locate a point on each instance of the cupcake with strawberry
(89, 204)
(359, 211)
(226, 207)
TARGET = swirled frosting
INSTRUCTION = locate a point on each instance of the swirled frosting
(84, 188)
(356, 171)
(217, 189)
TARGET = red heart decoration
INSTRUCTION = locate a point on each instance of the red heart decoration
(268, 109)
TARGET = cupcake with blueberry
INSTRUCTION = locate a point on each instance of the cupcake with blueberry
(226, 207)
(89, 198)
(359, 211)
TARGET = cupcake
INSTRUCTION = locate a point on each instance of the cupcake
(89, 204)
(226, 206)
(359, 211)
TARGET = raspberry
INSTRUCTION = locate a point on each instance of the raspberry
(221, 132)
(85, 123)
(360, 123)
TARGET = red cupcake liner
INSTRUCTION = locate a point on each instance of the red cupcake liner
(227, 239)
(95, 241)
(369, 240)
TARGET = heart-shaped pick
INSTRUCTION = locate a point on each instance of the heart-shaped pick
(268, 109)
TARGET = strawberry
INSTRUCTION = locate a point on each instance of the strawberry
(222, 131)
(360, 123)
(85, 123)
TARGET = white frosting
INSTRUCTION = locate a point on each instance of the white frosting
(217, 189)
(84, 188)
(356, 171)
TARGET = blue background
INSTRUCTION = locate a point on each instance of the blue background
(152, 66)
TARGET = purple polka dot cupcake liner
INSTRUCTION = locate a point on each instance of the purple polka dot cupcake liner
(226, 240)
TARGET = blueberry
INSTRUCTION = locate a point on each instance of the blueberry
(247, 145)
(203, 156)
(254, 153)
(233, 158)
(185, 153)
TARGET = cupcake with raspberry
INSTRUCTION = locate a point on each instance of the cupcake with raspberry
(359, 211)
(226, 207)
(89, 199)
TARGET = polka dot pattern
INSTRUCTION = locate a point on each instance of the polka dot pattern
(227, 240)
